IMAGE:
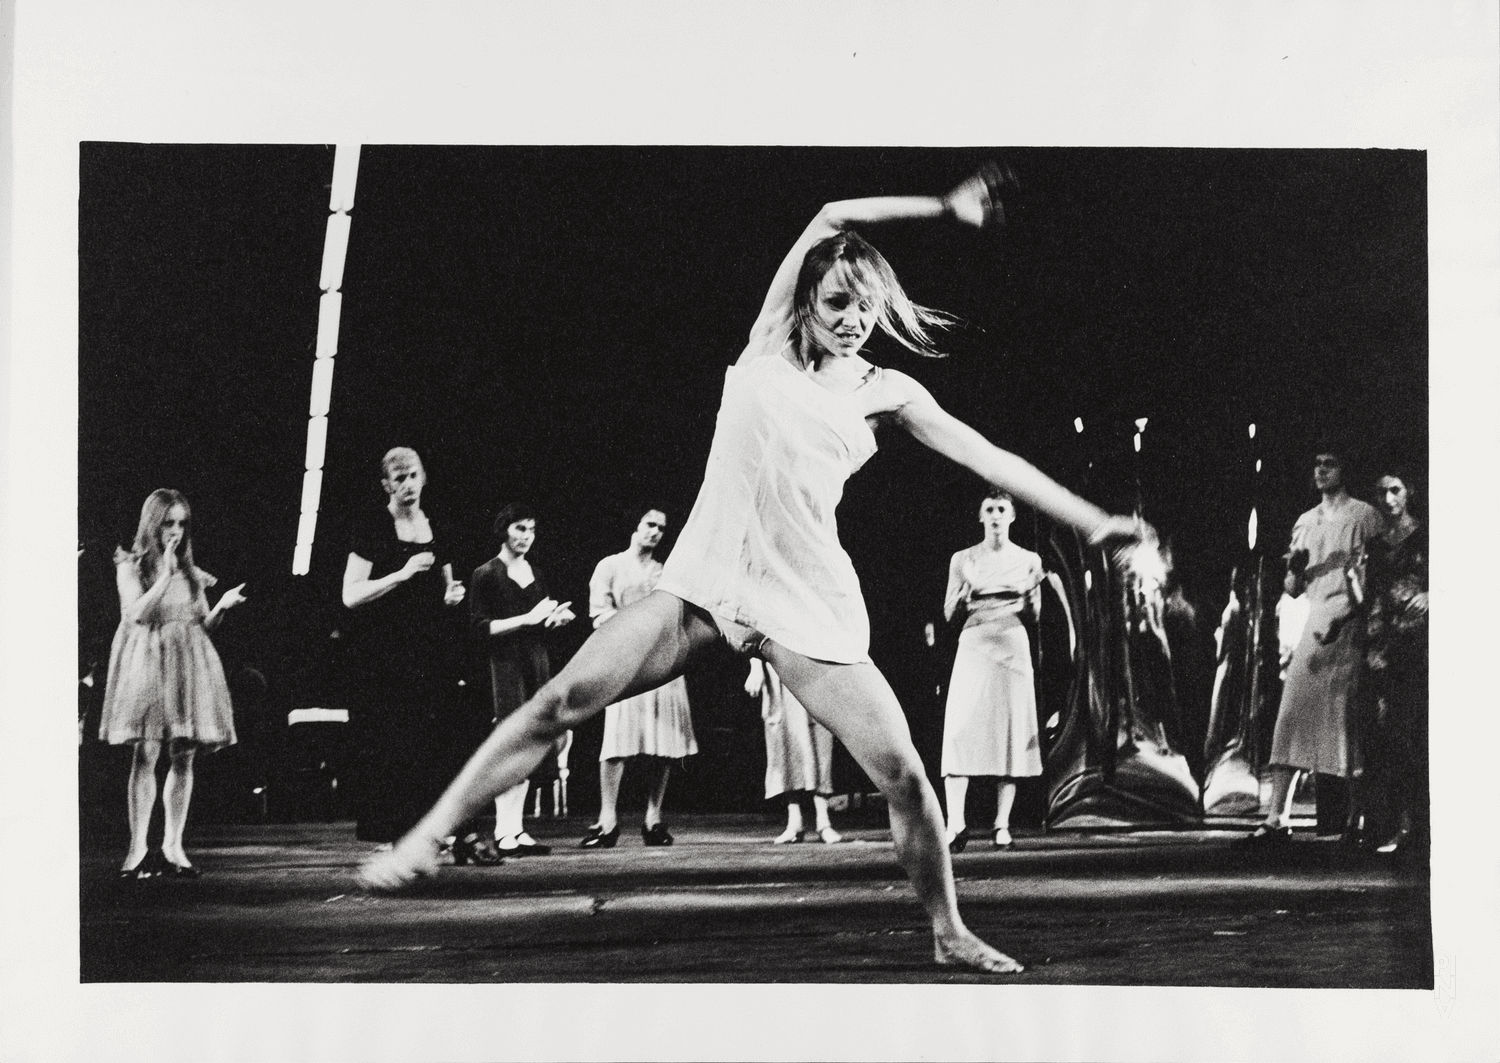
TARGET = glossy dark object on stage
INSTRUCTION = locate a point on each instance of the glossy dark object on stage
(525, 849)
(480, 852)
(960, 841)
(656, 835)
(600, 839)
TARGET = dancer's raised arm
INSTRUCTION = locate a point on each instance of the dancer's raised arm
(933, 426)
(974, 203)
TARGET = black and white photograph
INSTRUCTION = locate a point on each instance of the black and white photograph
(830, 584)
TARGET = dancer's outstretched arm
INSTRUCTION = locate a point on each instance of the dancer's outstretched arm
(969, 204)
(933, 426)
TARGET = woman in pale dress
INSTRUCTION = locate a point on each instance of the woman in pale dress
(758, 563)
(989, 725)
(1315, 727)
(799, 755)
(166, 683)
(653, 728)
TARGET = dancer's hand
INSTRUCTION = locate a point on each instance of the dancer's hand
(541, 611)
(417, 563)
(169, 557)
(755, 682)
(976, 202)
(454, 594)
(232, 597)
(1121, 537)
(560, 616)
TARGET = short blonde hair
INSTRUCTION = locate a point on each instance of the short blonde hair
(398, 456)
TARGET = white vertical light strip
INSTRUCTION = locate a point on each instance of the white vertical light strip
(330, 310)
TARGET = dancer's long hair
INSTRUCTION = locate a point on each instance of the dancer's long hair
(865, 271)
(146, 551)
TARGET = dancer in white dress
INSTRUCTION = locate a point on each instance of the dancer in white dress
(989, 725)
(654, 728)
(759, 563)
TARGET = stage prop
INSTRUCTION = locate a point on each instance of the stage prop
(1112, 762)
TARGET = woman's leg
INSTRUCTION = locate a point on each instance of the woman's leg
(176, 795)
(793, 830)
(956, 793)
(1283, 782)
(661, 770)
(1005, 796)
(510, 811)
(611, 772)
(824, 824)
(140, 799)
(855, 702)
(643, 646)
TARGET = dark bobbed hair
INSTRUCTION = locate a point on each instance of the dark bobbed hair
(866, 271)
(1399, 472)
(508, 515)
(998, 493)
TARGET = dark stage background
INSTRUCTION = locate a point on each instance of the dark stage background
(553, 324)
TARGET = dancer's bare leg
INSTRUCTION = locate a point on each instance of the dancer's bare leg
(855, 702)
(176, 795)
(643, 646)
(140, 798)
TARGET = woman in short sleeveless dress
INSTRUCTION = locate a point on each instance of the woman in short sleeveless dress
(989, 725)
(758, 563)
(166, 684)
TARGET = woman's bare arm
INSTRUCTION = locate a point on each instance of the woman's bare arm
(931, 425)
(957, 588)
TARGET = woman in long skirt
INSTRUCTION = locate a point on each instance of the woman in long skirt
(990, 727)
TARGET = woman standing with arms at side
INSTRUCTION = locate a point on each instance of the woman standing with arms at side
(989, 727)
(758, 563)
(166, 683)
(1396, 655)
(398, 583)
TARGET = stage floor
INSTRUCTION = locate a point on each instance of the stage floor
(278, 904)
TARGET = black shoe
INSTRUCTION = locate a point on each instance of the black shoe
(656, 835)
(475, 850)
(598, 838)
(144, 868)
(1265, 835)
(523, 849)
(960, 841)
(171, 870)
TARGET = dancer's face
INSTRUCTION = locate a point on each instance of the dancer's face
(844, 316)
(650, 530)
(173, 527)
(1328, 472)
(996, 514)
(404, 481)
(520, 535)
(1393, 497)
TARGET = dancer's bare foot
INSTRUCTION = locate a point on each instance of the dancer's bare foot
(400, 867)
(963, 949)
